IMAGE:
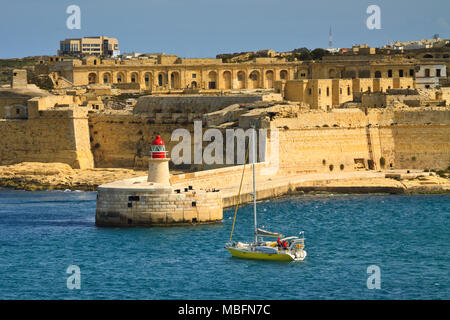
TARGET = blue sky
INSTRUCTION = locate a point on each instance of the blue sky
(204, 28)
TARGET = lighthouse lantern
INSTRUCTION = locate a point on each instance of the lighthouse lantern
(158, 148)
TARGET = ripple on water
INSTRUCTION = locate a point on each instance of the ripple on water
(42, 233)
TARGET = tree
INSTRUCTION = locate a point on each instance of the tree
(318, 53)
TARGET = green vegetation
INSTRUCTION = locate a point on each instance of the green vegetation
(42, 81)
(444, 173)
(7, 65)
(300, 54)
(303, 54)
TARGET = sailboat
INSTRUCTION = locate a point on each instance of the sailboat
(284, 249)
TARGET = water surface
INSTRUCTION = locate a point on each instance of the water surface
(42, 233)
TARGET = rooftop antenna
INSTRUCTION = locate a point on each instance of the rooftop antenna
(330, 43)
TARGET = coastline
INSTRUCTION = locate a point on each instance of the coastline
(32, 176)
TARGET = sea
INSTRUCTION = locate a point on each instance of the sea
(374, 246)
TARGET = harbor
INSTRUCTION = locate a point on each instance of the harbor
(44, 232)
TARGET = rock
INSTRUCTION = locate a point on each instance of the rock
(36, 176)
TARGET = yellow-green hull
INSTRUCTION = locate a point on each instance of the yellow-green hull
(260, 255)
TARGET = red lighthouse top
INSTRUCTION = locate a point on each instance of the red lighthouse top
(158, 148)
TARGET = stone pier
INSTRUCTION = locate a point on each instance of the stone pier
(137, 202)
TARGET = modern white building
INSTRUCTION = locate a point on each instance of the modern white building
(428, 75)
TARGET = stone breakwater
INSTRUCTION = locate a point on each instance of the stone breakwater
(195, 197)
(269, 187)
(137, 202)
(47, 176)
(199, 197)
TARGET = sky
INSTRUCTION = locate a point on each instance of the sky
(204, 28)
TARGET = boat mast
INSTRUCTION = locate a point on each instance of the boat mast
(254, 181)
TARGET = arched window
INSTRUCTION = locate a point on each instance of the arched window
(106, 78)
(227, 79)
(92, 78)
(212, 78)
(147, 80)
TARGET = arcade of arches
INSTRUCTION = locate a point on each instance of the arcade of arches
(217, 79)
(206, 74)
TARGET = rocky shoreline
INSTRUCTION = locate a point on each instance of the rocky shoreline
(32, 176)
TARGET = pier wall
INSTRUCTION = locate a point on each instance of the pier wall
(119, 205)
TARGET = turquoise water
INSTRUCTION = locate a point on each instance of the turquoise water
(42, 233)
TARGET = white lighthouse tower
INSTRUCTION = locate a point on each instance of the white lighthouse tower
(158, 165)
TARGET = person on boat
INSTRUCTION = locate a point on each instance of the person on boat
(279, 244)
(284, 244)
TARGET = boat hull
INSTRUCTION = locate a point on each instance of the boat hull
(245, 254)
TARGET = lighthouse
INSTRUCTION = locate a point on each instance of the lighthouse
(158, 164)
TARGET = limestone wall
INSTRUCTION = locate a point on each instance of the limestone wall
(405, 138)
(50, 136)
(190, 104)
(230, 176)
(156, 206)
(325, 93)
(347, 137)
(124, 140)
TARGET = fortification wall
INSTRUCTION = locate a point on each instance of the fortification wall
(124, 140)
(404, 138)
(190, 104)
(51, 136)
(347, 137)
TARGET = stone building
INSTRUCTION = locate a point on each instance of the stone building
(327, 93)
(429, 75)
(162, 73)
